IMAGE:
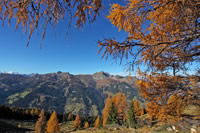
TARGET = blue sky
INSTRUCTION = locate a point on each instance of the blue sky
(76, 53)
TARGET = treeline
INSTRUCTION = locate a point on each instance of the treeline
(7, 112)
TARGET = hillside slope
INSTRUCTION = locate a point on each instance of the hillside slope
(64, 92)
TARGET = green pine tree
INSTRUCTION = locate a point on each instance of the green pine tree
(131, 121)
(101, 122)
(112, 117)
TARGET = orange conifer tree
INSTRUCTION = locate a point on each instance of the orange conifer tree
(53, 125)
(32, 112)
(97, 122)
(86, 125)
(36, 112)
(137, 107)
(77, 122)
(40, 124)
(26, 112)
(106, 109)
(121, 107)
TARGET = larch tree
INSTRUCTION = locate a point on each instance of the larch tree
(137, 108)
(36, 112)
(106, 109)
(53, 125)
(26, 112)
(121, 107)
(97, 122)
(77, 122)
(163, 41)
(41, 123)
(86, 125)
(32, 113)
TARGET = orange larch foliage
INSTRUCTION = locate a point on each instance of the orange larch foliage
(53, 125)
(26, 112)
(32, 112)
(77, 122)
(40, 124)
(86, 125)
(97, 122)
(36, 112)
(121, 107)
(113, 99)
(137, 107)
(106, 109)
(167, 95)
(163, 39)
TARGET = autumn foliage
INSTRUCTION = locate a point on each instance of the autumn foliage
(106, 109)
(97, 122)
(163, 39)
(115, 110)
(137, 108)
(41, 123)
(86, 125)
(77, 122)
(121, 107)
(53, 125)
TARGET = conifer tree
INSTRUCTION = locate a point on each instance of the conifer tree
(113, 99)
(69, 117)
(77, 122)
(121, 107)
(131, 121)
(97, 122)
(137, 108)
(101, 121)
(53, 125)
(86, 125)
(36, 113)
(112, 117)
(40, 124)
(32, 112)
(26, 112)
(106, 109)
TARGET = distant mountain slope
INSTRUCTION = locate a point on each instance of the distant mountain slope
(64, 92)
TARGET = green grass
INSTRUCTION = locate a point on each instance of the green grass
(17, 96)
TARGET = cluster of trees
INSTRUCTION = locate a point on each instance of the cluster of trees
(116, 111)
(52, 126)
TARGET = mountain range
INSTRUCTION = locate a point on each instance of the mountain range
(64, 92)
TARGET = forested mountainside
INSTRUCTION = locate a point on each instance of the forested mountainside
(64, 92)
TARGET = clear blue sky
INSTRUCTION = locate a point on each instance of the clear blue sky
(76, 54)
